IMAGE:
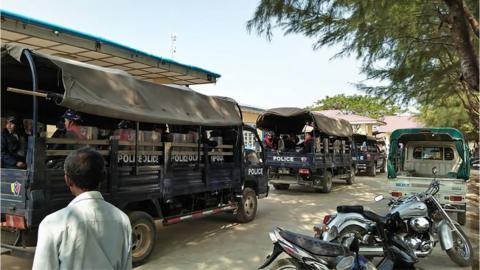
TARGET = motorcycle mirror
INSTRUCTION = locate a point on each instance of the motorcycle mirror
(434, 170)
(378, 198)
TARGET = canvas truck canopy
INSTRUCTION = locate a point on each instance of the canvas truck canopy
(430, 134)
(116, 94)
(288, 119)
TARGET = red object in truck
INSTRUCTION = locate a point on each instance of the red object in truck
(14, 221)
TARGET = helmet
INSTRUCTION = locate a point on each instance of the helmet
(12, 119)
(71, 115)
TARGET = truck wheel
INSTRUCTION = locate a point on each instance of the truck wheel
(372, 171)
(326, 183)
(281, 186)
(382, 169)
(462, 216)
(144, 233)
(351, 177)
(247, 208)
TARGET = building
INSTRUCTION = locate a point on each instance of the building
(360, 124)
(250, 115)
(393, 122)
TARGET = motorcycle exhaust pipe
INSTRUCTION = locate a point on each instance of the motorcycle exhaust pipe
(378, 252)
(371, 251)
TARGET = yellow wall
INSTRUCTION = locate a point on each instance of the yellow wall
(250, 117)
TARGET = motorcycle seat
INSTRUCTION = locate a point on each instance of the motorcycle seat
(314, 245)
(359, 209)
(350, 209)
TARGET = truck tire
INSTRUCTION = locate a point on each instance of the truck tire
(462, 217)
(382, 169)
(144, 233)
(281, 186)
(247, 207)
(326, 183)
(372, 171)
(351, 177)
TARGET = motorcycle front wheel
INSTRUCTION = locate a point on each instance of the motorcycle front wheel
(461, 253)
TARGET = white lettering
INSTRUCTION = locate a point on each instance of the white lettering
(140, 158)
(255, 171)
(287, 159)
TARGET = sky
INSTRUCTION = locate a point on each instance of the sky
(212, 35)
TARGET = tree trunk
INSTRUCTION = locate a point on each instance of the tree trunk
(472, 20)
(461, 38)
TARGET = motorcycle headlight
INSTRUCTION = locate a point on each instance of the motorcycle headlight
(346, 263)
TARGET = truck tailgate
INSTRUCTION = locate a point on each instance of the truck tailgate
(13, 190)
(452, 191)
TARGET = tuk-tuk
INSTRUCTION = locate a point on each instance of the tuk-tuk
(172, 154)
(414, 153)
(289, 160)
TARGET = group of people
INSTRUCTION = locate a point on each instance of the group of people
(288, 142)
(15, 138)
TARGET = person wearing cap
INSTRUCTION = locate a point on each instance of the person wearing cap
(71, 120)
(11, 145)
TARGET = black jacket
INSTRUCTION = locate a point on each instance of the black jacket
(307, 146)
(10, 148)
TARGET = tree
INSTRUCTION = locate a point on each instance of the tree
(448, 113)
(424, 50)
(373, 107)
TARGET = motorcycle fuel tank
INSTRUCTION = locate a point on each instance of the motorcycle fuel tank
(411, 209)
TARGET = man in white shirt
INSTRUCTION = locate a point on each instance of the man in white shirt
(89, 233)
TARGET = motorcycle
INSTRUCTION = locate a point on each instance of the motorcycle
(311, 253)
(424, 223)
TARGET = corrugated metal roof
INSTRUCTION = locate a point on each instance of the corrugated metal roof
(60, 41)
(395, 122)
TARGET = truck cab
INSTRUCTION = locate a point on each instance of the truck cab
(414, 153)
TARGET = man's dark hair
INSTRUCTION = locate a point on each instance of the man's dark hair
(85, 167)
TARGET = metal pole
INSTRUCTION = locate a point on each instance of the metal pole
(136, 146)
(33, 70)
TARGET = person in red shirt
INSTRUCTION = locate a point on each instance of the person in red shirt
(268, 141)
(72, 127)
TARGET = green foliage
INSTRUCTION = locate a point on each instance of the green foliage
(373, 107)
(448, 113)
(405, 44)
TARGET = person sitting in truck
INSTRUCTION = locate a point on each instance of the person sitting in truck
(290, 143)
(268, 141)
(72, 127)
(308, 143)
(11, 145)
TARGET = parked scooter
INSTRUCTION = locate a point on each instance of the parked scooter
(424, 223)
(310, 253)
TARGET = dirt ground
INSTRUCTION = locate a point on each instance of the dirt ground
(219, 243)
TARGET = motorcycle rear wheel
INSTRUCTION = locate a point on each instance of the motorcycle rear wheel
(285, 264)
(461, 253)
